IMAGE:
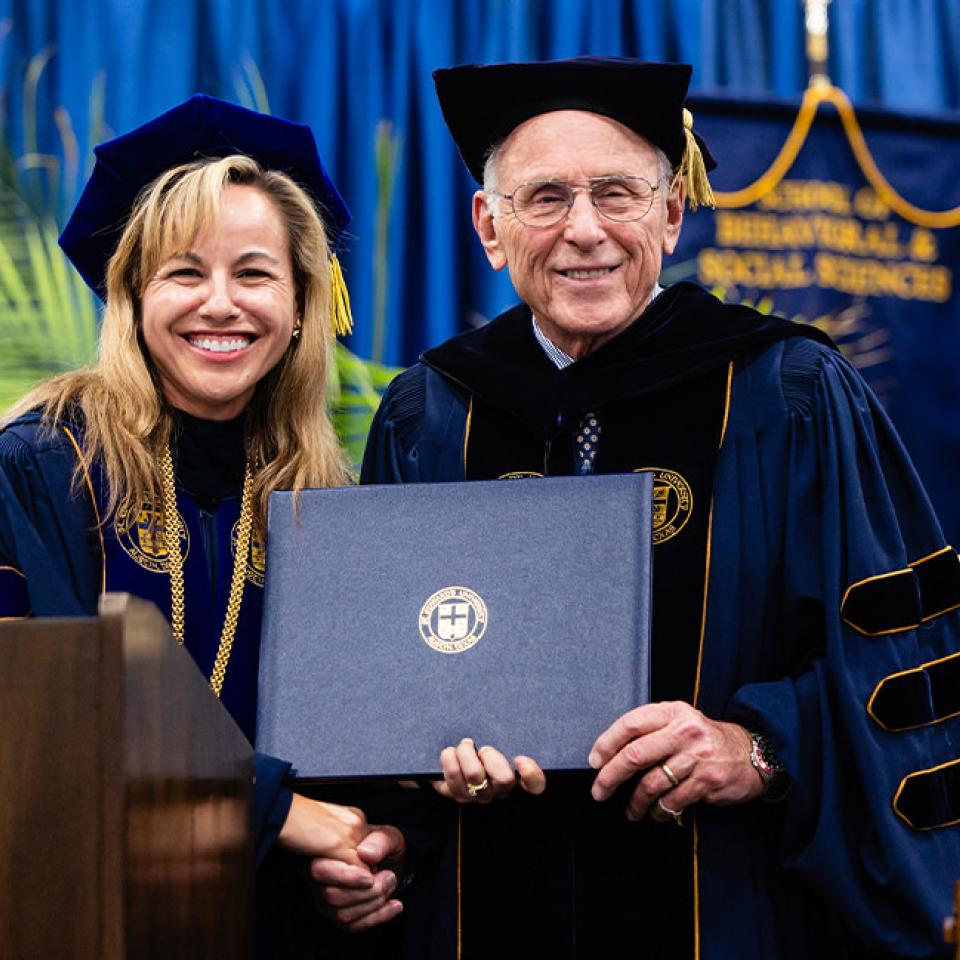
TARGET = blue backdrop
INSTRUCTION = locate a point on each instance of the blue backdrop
(358, 71)
(75, 71)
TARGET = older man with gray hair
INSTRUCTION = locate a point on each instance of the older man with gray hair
(791, 791)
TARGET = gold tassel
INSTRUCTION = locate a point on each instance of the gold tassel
(340, 314)
(693, 168)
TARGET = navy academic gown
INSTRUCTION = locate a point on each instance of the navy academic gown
(55, 561)
(830, 626)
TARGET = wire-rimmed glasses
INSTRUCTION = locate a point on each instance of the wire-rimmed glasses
(544, 203)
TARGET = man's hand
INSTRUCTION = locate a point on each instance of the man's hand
(358, 901)
(684, 757)
(352, 865)
(479, 776)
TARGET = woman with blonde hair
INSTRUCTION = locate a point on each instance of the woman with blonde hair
(210, 232)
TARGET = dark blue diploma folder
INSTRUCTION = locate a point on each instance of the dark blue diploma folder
(399, 619)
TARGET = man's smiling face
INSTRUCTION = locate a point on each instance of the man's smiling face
(587, 277)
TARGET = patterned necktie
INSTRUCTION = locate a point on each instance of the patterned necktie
(587, 435)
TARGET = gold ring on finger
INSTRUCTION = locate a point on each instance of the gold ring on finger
(670, 775)
(476, 789)
(663, 814)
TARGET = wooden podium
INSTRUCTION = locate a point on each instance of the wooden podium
(125, 795)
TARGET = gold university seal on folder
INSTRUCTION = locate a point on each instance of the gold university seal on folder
(453, 619)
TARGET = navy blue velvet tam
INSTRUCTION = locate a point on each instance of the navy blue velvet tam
(201, 127)
(483, 104)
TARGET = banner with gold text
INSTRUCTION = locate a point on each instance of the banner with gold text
(849, 219)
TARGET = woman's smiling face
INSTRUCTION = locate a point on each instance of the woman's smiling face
(217, 318)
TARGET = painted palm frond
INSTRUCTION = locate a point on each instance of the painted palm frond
(355, 387)
(48, 317)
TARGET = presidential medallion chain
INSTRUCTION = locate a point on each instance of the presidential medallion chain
(171, 530)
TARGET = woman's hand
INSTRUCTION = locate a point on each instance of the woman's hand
(353, 866)
(317, 829)
(479, 776)
(684, 756)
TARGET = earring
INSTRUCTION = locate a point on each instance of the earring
(297, 327)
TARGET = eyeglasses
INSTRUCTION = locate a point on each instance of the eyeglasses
(544, 203)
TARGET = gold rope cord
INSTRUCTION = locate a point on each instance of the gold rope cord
(171, 530)
(812, 98)
(171, 534)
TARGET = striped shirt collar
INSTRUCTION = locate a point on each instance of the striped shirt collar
(557, 356)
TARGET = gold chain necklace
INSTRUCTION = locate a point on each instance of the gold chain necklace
(171, 530)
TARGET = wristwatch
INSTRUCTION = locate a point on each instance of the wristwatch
(770, 767)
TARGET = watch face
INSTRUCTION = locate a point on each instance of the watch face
(764, 760)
